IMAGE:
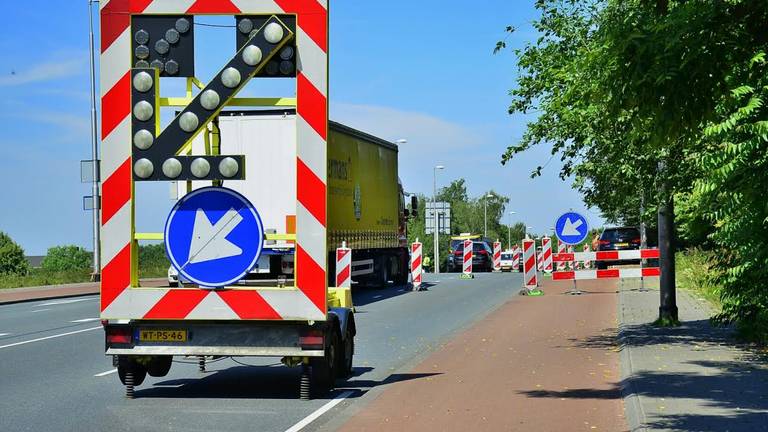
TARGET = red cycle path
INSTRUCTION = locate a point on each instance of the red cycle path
(536, 364)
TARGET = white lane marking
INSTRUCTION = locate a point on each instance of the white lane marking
(84, 320)
(4, 334)
(61, 302)
(320, 411)
(50, 337)
(109, 372)
(41, 310)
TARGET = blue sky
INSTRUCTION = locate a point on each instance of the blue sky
(423, 71)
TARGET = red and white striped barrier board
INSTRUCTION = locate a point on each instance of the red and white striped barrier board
(539, 261)
(467, 267)
(606, 274)
(344, 266)
(121, 297)
(606, 256)
(416, 269)
(530, 277)
(546, 254)
(560, 250)
(515, 258)
(571, 264)
(496, 256)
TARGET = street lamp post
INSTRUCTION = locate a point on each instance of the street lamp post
(509, 230)
(434, 211)
(485, 217)
(526, 231)
(96, 275)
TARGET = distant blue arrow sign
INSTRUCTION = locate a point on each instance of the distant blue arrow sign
(213, 236)
(571, 228)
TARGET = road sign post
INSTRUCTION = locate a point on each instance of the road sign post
(572, 228)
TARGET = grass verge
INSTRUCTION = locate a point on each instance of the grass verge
(694, 273)
(40, 277)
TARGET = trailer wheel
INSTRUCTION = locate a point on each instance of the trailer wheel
(324, 369)
(347, 352)
(159, 366)
(125, 365)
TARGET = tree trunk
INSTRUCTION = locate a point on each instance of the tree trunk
(668, 300)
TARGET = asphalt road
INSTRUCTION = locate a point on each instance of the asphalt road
(54, 375)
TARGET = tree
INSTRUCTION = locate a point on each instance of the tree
(12, 261)
(622, 88)
(66, 258)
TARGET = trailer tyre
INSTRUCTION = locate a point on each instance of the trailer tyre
(139, 372)
(159, 366)
(324, 369)
(347, 352)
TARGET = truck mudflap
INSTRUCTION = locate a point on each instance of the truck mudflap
(210, 339)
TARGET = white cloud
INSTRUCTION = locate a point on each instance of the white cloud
(61, 66)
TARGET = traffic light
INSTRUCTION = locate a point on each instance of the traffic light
(155, 153)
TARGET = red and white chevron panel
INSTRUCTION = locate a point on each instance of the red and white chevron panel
(560, 250)
(515, 258)
(539, 260)
(546, 254)
(606, 274)
(530, 276)
(416, 265)
(467, 265)
(120, 298)
(586, 264)
(497, 256)
(344, 267)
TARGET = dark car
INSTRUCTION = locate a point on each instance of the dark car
(621, 238)
(482, 257)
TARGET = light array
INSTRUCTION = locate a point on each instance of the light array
(164, 42)
(284, 64)
(155, 157)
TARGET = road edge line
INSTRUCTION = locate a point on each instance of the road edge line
(320, 411)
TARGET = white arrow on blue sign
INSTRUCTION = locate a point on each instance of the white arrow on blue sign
(213, 236)
(571, 228)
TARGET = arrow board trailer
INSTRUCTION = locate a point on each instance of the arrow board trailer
(248, 191)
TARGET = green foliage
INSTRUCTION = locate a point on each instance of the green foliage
(153, 261)
(12, 261)
(621, 85)
(66, 258)
(41, 277)
(731, 195)
(696, 272)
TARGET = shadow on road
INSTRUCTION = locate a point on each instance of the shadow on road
(362, 295)
(259, 382)
(738, 389)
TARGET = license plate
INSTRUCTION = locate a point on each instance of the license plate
(622, 244)
(163, 335)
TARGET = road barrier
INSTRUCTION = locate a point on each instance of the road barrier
(546, 254)
(572, 263)
(560, 250)
(344, 266)
(416, 268)
(515, 258)
(586, 264)
(636, 254)
(530, 276)
(497, 256)
(466, 271)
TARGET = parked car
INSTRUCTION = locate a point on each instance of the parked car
(482, 257)
(618, 238)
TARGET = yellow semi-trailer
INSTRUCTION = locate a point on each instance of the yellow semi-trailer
(366, 207)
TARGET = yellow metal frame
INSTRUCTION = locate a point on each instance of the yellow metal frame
(158, 236)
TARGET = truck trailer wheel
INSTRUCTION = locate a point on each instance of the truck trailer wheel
(324, 369)
(346, 353)
(125, 365)
(159, 366)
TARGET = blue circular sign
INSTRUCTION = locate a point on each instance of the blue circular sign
(571, 228)
(213, 236)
